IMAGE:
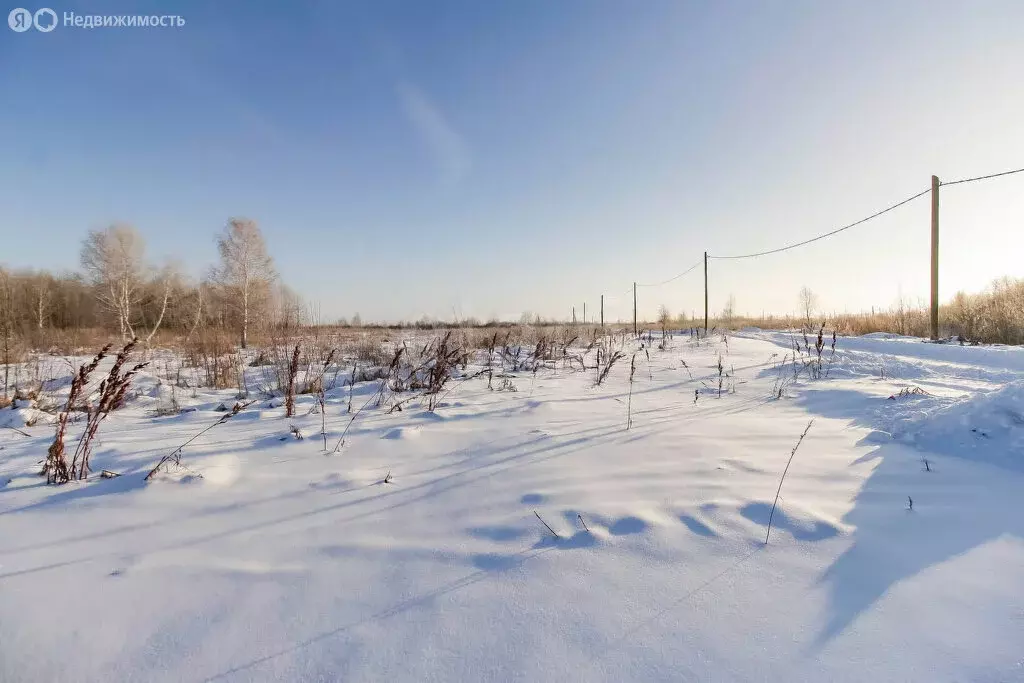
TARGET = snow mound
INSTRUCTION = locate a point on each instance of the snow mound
(987, 427)
(401, 433)
(25, 417)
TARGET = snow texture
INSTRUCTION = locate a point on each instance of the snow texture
(282, 563)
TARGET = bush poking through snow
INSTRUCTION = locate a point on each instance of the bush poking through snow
(906, 392)
(446, 356)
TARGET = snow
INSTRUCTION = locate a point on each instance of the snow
(282, 563)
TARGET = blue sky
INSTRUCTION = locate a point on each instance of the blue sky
(488, 158)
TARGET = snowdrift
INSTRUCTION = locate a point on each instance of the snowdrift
(986, 427)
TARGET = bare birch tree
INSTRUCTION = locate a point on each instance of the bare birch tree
(165, 287)
(41, 285)
(729, 311)
(245, 272)
(113, 260)
(808, 303)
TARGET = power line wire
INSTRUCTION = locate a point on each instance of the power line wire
(827, 234)
(613, 297)
(822, 236)
(983, 177)
(676, 277)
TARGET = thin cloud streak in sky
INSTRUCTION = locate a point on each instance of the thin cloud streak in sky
(446, 146)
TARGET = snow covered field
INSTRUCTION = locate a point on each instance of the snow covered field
(285, 564)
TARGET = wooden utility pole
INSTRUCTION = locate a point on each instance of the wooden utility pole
(573, 315)
(602, 311)
(935, 257)
(705, 292)
(635, 332)
(584, 312)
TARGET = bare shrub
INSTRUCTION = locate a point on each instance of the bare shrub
(368, 350)
(446, 356)
(212, 352)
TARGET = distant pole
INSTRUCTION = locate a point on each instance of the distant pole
(705, 292)
(635, 332)
(573, 315)
(935, 257)
(602, 311)
(584, 312)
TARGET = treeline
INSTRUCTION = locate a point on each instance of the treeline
(118, 288)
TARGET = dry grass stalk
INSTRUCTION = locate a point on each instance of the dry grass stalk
(546, 525)
(293, 370)
(783, 478)
(610, 357)
(629, 401)
(112, 392)
(56, 468)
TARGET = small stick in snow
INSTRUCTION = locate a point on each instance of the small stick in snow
(546, 525)
(772, 513)
(687, 369)
(910, 503)
(19, 431)
(175, 456)
(629, 403)
(387, 477)
(585, 527)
